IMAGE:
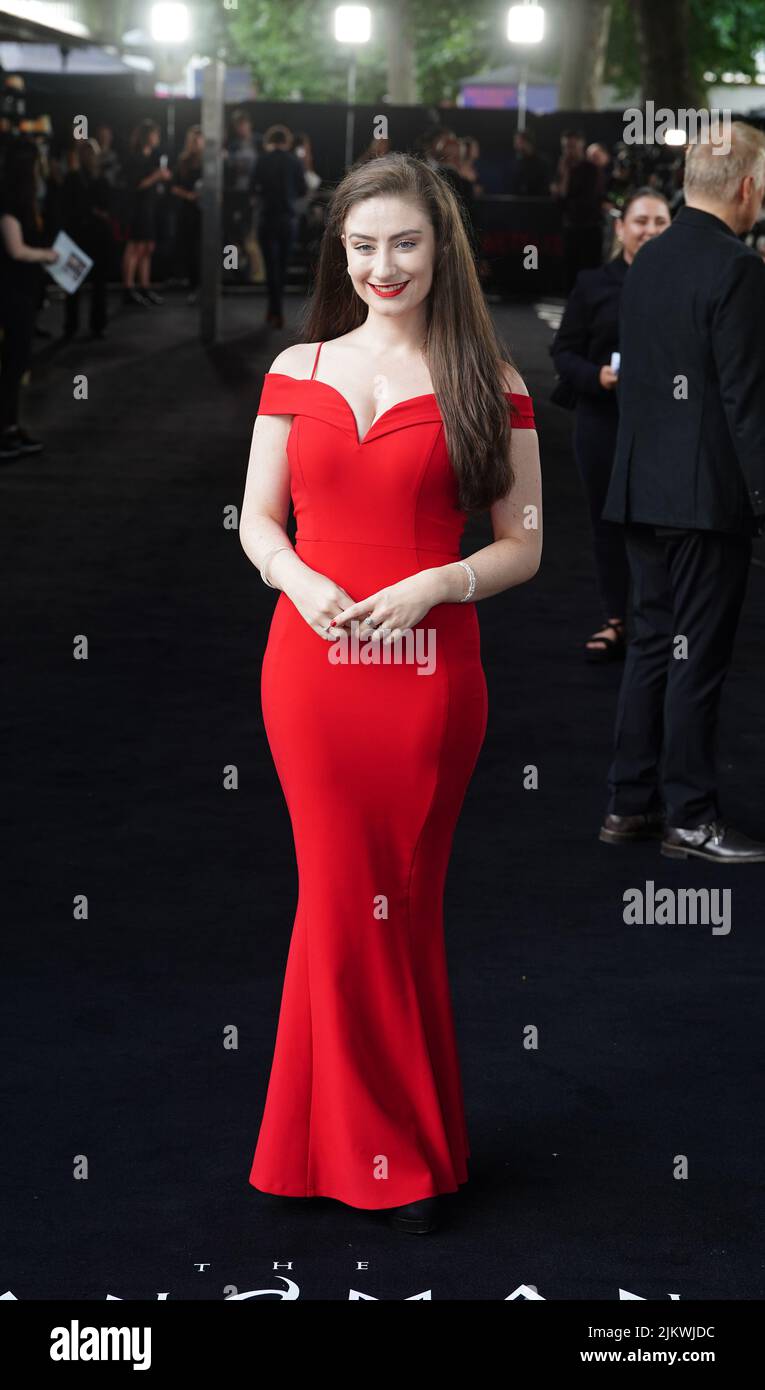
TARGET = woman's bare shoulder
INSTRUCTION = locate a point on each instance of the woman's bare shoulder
(296, 360)
(512, 380)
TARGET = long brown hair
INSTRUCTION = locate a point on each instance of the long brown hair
(141, 134)
(190, 158)
(462, 347)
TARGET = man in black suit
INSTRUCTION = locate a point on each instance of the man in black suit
(688, 483)
(279, 180)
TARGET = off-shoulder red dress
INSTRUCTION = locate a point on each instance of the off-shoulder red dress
(364, 1102)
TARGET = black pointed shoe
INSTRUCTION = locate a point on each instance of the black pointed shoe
(718, 843)
(416, 1217)
(621, 830)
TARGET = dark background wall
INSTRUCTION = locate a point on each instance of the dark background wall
(112, 99)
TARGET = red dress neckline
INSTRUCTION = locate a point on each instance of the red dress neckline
(516, 399)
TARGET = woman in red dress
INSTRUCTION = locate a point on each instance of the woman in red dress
(396, 417)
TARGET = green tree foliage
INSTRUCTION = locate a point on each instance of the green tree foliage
(290, 48)
(723, 36)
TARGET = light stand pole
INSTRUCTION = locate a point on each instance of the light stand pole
(522, 94)
(353, 24)
(213, 78)
(350, 114)
(525, 26)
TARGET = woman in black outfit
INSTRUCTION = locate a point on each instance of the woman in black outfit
(22, 256)
(144, 173)
(85, 204)
(186, 187)
(581, 350)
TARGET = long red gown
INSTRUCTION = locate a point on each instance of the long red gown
(364, 1101)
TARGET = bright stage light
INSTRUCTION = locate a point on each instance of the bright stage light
(170, 23)
(353, 24)
(525, 23)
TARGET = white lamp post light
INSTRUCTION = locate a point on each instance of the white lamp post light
(525, 25)
(170, 23)
(353, 25)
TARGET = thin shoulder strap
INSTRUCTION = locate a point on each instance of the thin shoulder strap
(316, 362)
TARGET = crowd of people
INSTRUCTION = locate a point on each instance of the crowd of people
(120, 205)
(613, 204)
(117, 207)
(137, 215)
(586, 348)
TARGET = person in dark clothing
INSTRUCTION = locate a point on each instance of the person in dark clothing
(444, 155)
(240, 161)
(581, 351)
(109, 161)
(145, 173)
(689, 485)
(579, 185)
(186, 187)
(469, 166)
(529, 175)
(85, 204)
(22, 256)
(279, 180)
(621, 183)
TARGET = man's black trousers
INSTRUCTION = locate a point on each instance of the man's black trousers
(687, 592)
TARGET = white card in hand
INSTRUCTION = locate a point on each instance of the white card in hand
(72, 265)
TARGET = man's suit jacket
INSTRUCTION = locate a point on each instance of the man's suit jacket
(279, 179)
(692, 311)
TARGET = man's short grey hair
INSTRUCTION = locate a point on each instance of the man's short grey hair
(716, 174)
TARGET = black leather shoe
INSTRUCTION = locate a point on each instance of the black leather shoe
(16, 441)
(415, 1217)
(10, 445)
(718, 843)
(620, 830)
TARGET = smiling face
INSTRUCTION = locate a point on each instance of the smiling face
(390, 245)
(645, 218)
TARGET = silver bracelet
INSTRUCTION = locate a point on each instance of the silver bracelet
(471, 576)
(264, 566)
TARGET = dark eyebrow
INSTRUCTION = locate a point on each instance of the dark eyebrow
(406, 232)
